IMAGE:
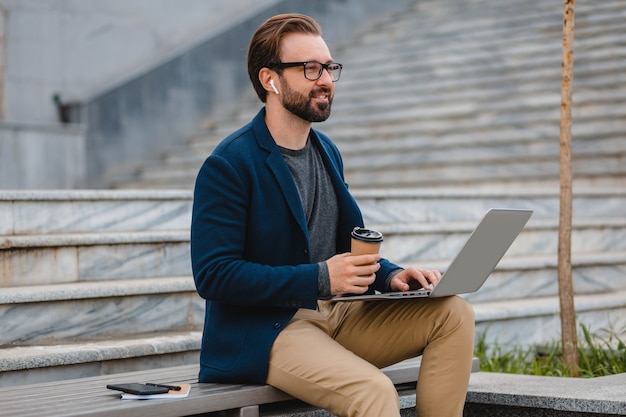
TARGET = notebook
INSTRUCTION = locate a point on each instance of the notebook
(474, 263)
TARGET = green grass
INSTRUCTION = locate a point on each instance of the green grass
(599, 354)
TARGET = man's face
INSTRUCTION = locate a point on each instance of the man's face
(309, 100)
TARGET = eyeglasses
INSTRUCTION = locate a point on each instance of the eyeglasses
(313, 69)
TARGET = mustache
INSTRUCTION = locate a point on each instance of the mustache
(321, 90)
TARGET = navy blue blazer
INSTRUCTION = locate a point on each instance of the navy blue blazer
(250, 249)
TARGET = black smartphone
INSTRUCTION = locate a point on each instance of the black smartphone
(139, 389)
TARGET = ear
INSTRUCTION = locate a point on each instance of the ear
(265, 76)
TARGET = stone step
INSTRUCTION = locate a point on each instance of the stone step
(467, 24)
(68, 212)
(536, 320)
(462, 70)
(77, 257)
(419, 161)
(590, 169)
(526, 322)
(407, 242)
(98, 356)
(469, 83)
(501, 84)
(96, 308)
(52, 314)
(591, 136)
(86, 257)
(539, 124)
(456, 95)
(448, 204)
(519, 278)
(186, 180)
(72, 211)
(527, 60)
(418, 53)
(417, 128)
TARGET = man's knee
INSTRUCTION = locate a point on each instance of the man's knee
(459, 312)
(376, 393)
(462, 308)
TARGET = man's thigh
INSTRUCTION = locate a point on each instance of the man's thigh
(387, 332)
(309, 364)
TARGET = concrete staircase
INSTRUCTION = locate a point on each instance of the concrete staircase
(462, 93)
(442, 112)
(95, 282)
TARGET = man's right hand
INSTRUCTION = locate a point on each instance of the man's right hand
(352, 274)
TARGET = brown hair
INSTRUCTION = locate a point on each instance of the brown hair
(264, 48)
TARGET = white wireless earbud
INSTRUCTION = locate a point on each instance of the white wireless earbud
(274, 87)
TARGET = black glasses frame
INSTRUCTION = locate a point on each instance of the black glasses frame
(327, 67)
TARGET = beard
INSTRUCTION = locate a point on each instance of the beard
(303, 106)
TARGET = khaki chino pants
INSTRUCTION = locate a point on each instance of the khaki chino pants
(330, 358)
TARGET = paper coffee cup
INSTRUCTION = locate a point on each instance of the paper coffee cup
(365, 241)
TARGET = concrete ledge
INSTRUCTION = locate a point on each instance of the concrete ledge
(30, 357)
(546, 306)
(93, 195)
(526, 395)
(93, 239)
(295, 408)
(98, 289)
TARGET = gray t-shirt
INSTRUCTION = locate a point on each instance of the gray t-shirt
(320, 207)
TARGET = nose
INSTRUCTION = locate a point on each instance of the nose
(325, 78)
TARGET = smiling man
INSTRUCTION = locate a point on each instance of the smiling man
(270, 242)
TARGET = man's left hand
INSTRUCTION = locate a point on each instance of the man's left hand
(413, 279)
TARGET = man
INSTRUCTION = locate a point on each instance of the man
(270, 245)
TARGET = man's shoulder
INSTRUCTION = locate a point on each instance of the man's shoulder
(246, 138)
(240, 138)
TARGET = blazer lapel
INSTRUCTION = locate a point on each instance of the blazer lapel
(280, 170)
(288, 187)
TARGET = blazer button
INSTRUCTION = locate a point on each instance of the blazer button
(276, 325)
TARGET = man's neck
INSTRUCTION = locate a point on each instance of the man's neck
(288, 130)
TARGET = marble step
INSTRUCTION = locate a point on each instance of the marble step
(407, 242)
(371, 103)
(494, 22)
(444, 154)
(535, 38)
(413, 126)
(427, 75)
(448, 204)
(526, 322)
(475, 82)
(52, 314)
(535, 320)
(425, 128)
(80, 257)
(606, 168)
(414, 137)
(532, 77)
(85, 257)
(96, 308)
(70, 359)
(521, 277)
(70, 211)
(94, 211)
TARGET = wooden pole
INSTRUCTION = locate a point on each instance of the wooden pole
(566, 291)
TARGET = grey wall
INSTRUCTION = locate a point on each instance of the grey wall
(81, 47)
(41, 157)
(143, 116)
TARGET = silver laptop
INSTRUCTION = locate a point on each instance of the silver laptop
(474, 263)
